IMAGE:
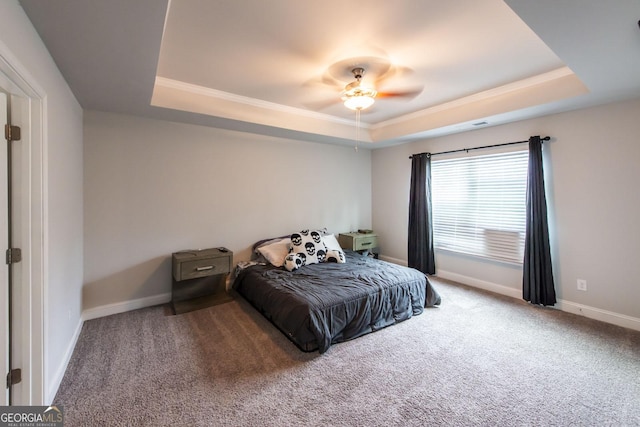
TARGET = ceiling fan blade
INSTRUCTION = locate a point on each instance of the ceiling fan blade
(331, 81)
(394, 71)
(325, 82)
(409, 93)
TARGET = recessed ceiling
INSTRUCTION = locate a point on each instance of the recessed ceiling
(277, 67)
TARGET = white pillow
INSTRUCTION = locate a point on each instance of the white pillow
(276, 252)
(331, 242)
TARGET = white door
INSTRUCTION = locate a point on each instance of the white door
(14, 288)
(4, 269)
(22, 101)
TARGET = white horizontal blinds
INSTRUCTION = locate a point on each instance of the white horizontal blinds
(479, 205)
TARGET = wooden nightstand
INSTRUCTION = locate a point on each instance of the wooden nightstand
(199, 278)
(360, 242)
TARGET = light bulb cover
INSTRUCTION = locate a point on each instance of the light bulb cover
(359, 98)
(359, 102)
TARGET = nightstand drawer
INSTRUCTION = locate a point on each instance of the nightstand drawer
(365, 242)
(204, 267)
(358, 241)
(193, 264)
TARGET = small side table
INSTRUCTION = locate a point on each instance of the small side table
(199, 278)
(360, 242)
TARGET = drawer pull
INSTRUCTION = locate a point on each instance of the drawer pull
(365, 243)
(208, 267)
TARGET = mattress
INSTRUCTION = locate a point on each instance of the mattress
(322, 304)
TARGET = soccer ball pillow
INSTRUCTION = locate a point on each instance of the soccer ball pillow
(335, 256)
(293, 262)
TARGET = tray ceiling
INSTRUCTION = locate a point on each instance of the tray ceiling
(277, 67)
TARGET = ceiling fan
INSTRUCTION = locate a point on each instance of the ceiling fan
(358, 94)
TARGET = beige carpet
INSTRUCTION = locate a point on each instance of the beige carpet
(479, 359)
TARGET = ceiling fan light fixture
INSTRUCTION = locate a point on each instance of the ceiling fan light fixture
(356, 96)
(359, 98)
(359, 102)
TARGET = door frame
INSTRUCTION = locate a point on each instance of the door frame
(30, 114)
(4, 238)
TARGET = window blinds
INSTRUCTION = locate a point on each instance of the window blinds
(479, 205)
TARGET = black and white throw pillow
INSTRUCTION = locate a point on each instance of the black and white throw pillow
(309, 246)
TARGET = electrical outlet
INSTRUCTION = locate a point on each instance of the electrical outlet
(582, 285)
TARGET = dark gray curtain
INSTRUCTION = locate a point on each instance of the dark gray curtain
(420, 244)
(537, 284)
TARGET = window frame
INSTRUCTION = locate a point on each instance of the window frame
(496, 237)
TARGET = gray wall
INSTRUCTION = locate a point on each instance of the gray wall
(592, 173)
(155, 187)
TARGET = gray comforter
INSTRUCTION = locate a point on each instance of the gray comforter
(323, 304)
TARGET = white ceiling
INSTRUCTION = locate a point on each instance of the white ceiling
(277, 67)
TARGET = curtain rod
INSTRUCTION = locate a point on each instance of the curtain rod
(546, 138)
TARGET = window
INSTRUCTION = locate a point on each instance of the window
(479, 205)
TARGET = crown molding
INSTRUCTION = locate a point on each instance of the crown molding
(253, 102)
(480, 96)
(506, 100)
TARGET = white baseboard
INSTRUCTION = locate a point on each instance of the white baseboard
(57, 378)
(466, 280)
(568, 306)
(121, 307)
(599, 314)
(482, 284)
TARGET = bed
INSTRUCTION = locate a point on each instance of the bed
(325, 303)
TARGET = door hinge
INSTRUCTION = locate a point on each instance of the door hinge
(12, 133)
(14, 255)
(14, 377)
